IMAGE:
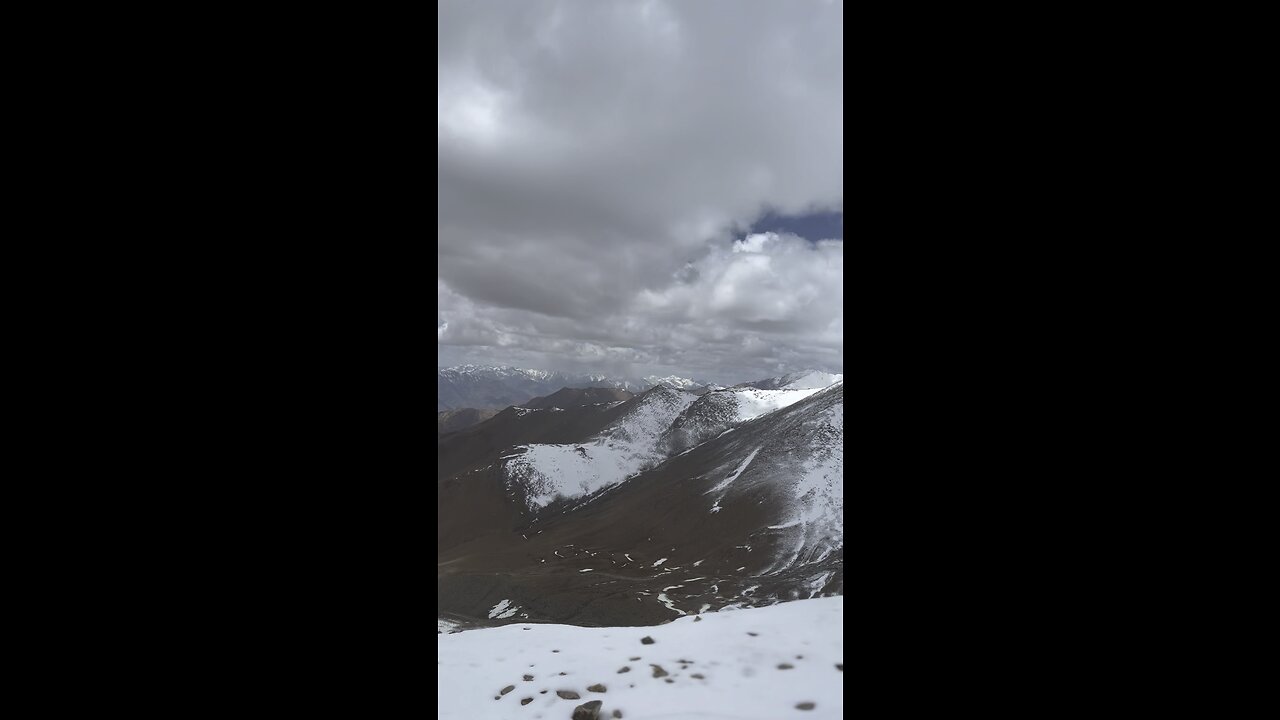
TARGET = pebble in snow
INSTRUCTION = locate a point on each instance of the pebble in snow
(508, 689)
(785, 666)
(658, 671)
(805, 706)
(587, 711)
(646, 640)
(568, 694)
(598, 687)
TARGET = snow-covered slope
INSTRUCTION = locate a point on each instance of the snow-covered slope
(718, 411)
(798, 454)
(784, 661)
(803, 380)
(541, 474)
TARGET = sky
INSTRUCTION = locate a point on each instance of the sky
(641, 187)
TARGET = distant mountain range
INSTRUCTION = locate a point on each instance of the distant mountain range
(493, 387)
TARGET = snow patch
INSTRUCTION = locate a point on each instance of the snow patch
(501, 611)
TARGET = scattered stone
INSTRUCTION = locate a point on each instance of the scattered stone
(646, 640)
(697, 619)
(527, 678)
(698, 675)
(544, 692)
(555, 651)
(686, 662)
(785, 666)
(526, 701)
(524, 628)
(670, 680)
(840, 667)
(588, 711)
(497, 697)
(799, 657)
(753, 634)
(617, 713)
(568, 694)
(805, 706)
(561, 673)
(658, 671)
(635, 658)
(624, 669)
(598, 687)
(508, 689)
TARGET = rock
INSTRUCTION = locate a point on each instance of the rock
(670, 680)
(799, 657)
(658, 671)
(840, 667)
(497, 697)
(785, 666)
(804, 706)
(753, 634)
(587, 711)
(698, 675)
(568, 694)
(555, 651)
(598, 687)
(544, 692)
(623, 669)
(561, 673)
(697, 619)
(526, 701)
(527, 678)
(617, 713)
(635, 658)
(646, 640)
(508, 689)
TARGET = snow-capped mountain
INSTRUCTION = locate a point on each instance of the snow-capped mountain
(803, 380)
(676, 383)
(542, 474)
(719, 410)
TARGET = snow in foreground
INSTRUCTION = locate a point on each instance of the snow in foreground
(782, 661)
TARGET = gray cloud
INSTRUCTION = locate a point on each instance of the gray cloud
(594, 158)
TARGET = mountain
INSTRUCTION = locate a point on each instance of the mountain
(675, 383)
(495, 387)
(451, 420)
(544, 473)
(635, 513)
(803, 380)
(573, 397)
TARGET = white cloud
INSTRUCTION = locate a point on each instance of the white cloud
(593, 156)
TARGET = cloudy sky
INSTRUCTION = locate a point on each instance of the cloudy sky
(641, 187)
